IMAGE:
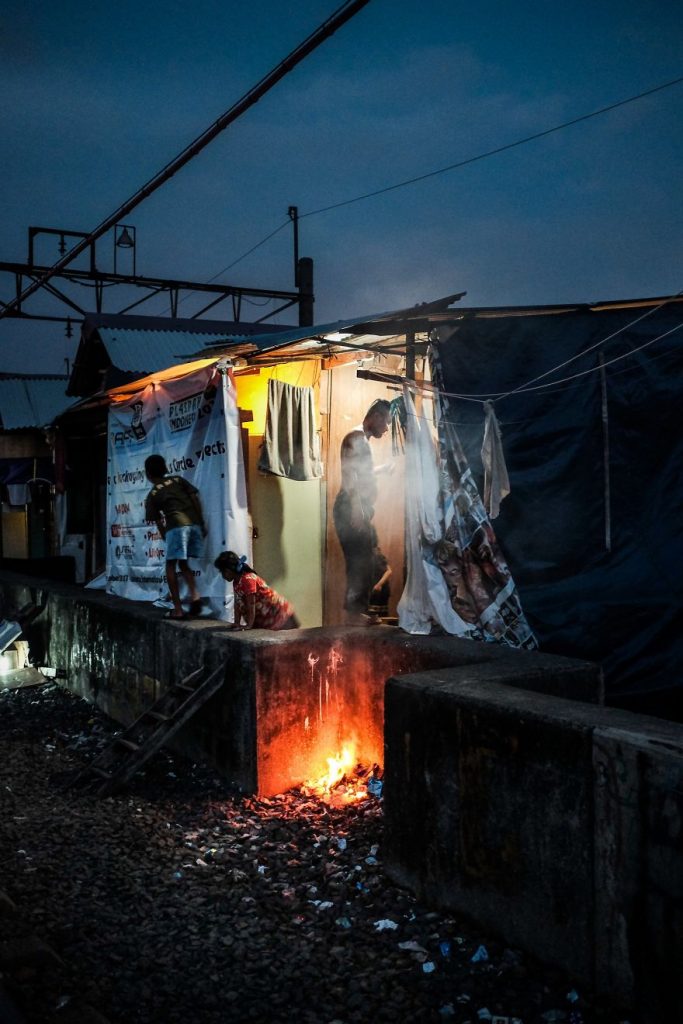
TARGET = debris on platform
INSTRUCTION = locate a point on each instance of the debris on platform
(179, 901)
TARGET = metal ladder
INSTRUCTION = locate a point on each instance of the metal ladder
(128, 751)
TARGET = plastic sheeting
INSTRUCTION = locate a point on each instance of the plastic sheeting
(425, 596)
(457, 577)
(592, 527)
(193, 422)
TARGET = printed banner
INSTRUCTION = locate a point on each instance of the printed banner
(193, 422)
(457, 576)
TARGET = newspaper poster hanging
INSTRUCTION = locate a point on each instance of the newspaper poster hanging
(193, 422)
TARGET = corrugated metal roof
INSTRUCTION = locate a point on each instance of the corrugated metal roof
(284, 338)
(293, 335)
(130, 321)
(145, 351)
(31, 402)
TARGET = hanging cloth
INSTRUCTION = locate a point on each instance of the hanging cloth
(291, 446)
(449, 531)
(18, 494)
(496, 480)
(425, 600)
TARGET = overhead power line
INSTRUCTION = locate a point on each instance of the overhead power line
(328, 27)
(496, 151)
(457, 165)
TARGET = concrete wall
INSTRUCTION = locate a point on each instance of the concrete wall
(290, 699)
(556, 824)
(287, 515)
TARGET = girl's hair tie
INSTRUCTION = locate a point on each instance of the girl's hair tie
(241, 562)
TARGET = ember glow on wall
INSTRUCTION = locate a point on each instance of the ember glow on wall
(309, 716)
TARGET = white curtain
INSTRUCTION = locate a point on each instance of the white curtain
(425, 599)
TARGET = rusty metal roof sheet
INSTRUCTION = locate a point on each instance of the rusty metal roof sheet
(31, 402)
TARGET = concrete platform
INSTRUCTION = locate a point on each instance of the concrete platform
(290, 699)
(557, 824)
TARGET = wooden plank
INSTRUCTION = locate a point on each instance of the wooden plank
(165, 730)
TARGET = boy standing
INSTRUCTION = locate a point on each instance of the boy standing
(174, 505)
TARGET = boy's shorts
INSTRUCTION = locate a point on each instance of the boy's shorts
(184, 542)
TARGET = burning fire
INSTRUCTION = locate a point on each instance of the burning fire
(344, 782)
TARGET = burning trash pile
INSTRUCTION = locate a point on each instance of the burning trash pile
(177, 901)
(346, 781)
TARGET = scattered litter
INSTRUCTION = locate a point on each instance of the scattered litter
(375, 787)
(341, 843)
(484, 1014)
(552, 1016)
(177, 874)
(464, 998)
(480, 956)
(445, 948)
(412, 947)
(261, 869)
(325, 905)
(385, 925)
(371, 860)
(374, 849)
(62, 1002)
(573, 996)
(447, 1010)
(428, 967)
(343, 922)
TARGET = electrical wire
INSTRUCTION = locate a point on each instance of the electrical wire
(339, 17)
(497, 150)
(497, 397)
(460, 163)
(239, 260)
(449, 167)
(248, 252)
(608, 362)
(591, 348)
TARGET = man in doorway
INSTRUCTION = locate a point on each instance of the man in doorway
(174, 505)
(354, 508)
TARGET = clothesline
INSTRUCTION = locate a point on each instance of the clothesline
(482, 398)
(597, 344)
(499, 396)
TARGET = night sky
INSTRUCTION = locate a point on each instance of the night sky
(97, 97)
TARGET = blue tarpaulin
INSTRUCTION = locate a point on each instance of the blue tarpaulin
(592, 527)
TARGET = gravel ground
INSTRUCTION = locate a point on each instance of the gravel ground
(177, 901)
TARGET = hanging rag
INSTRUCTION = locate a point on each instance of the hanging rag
(18, 494)
(496, 480)
(291, 446)
(425, 599)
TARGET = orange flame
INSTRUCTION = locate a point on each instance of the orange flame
(333, 786)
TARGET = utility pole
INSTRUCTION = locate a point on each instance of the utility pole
(323, 32)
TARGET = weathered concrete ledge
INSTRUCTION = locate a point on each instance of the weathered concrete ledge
(557, 824)
(289, 699)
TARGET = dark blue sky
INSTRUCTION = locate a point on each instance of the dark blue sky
(97, 97)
